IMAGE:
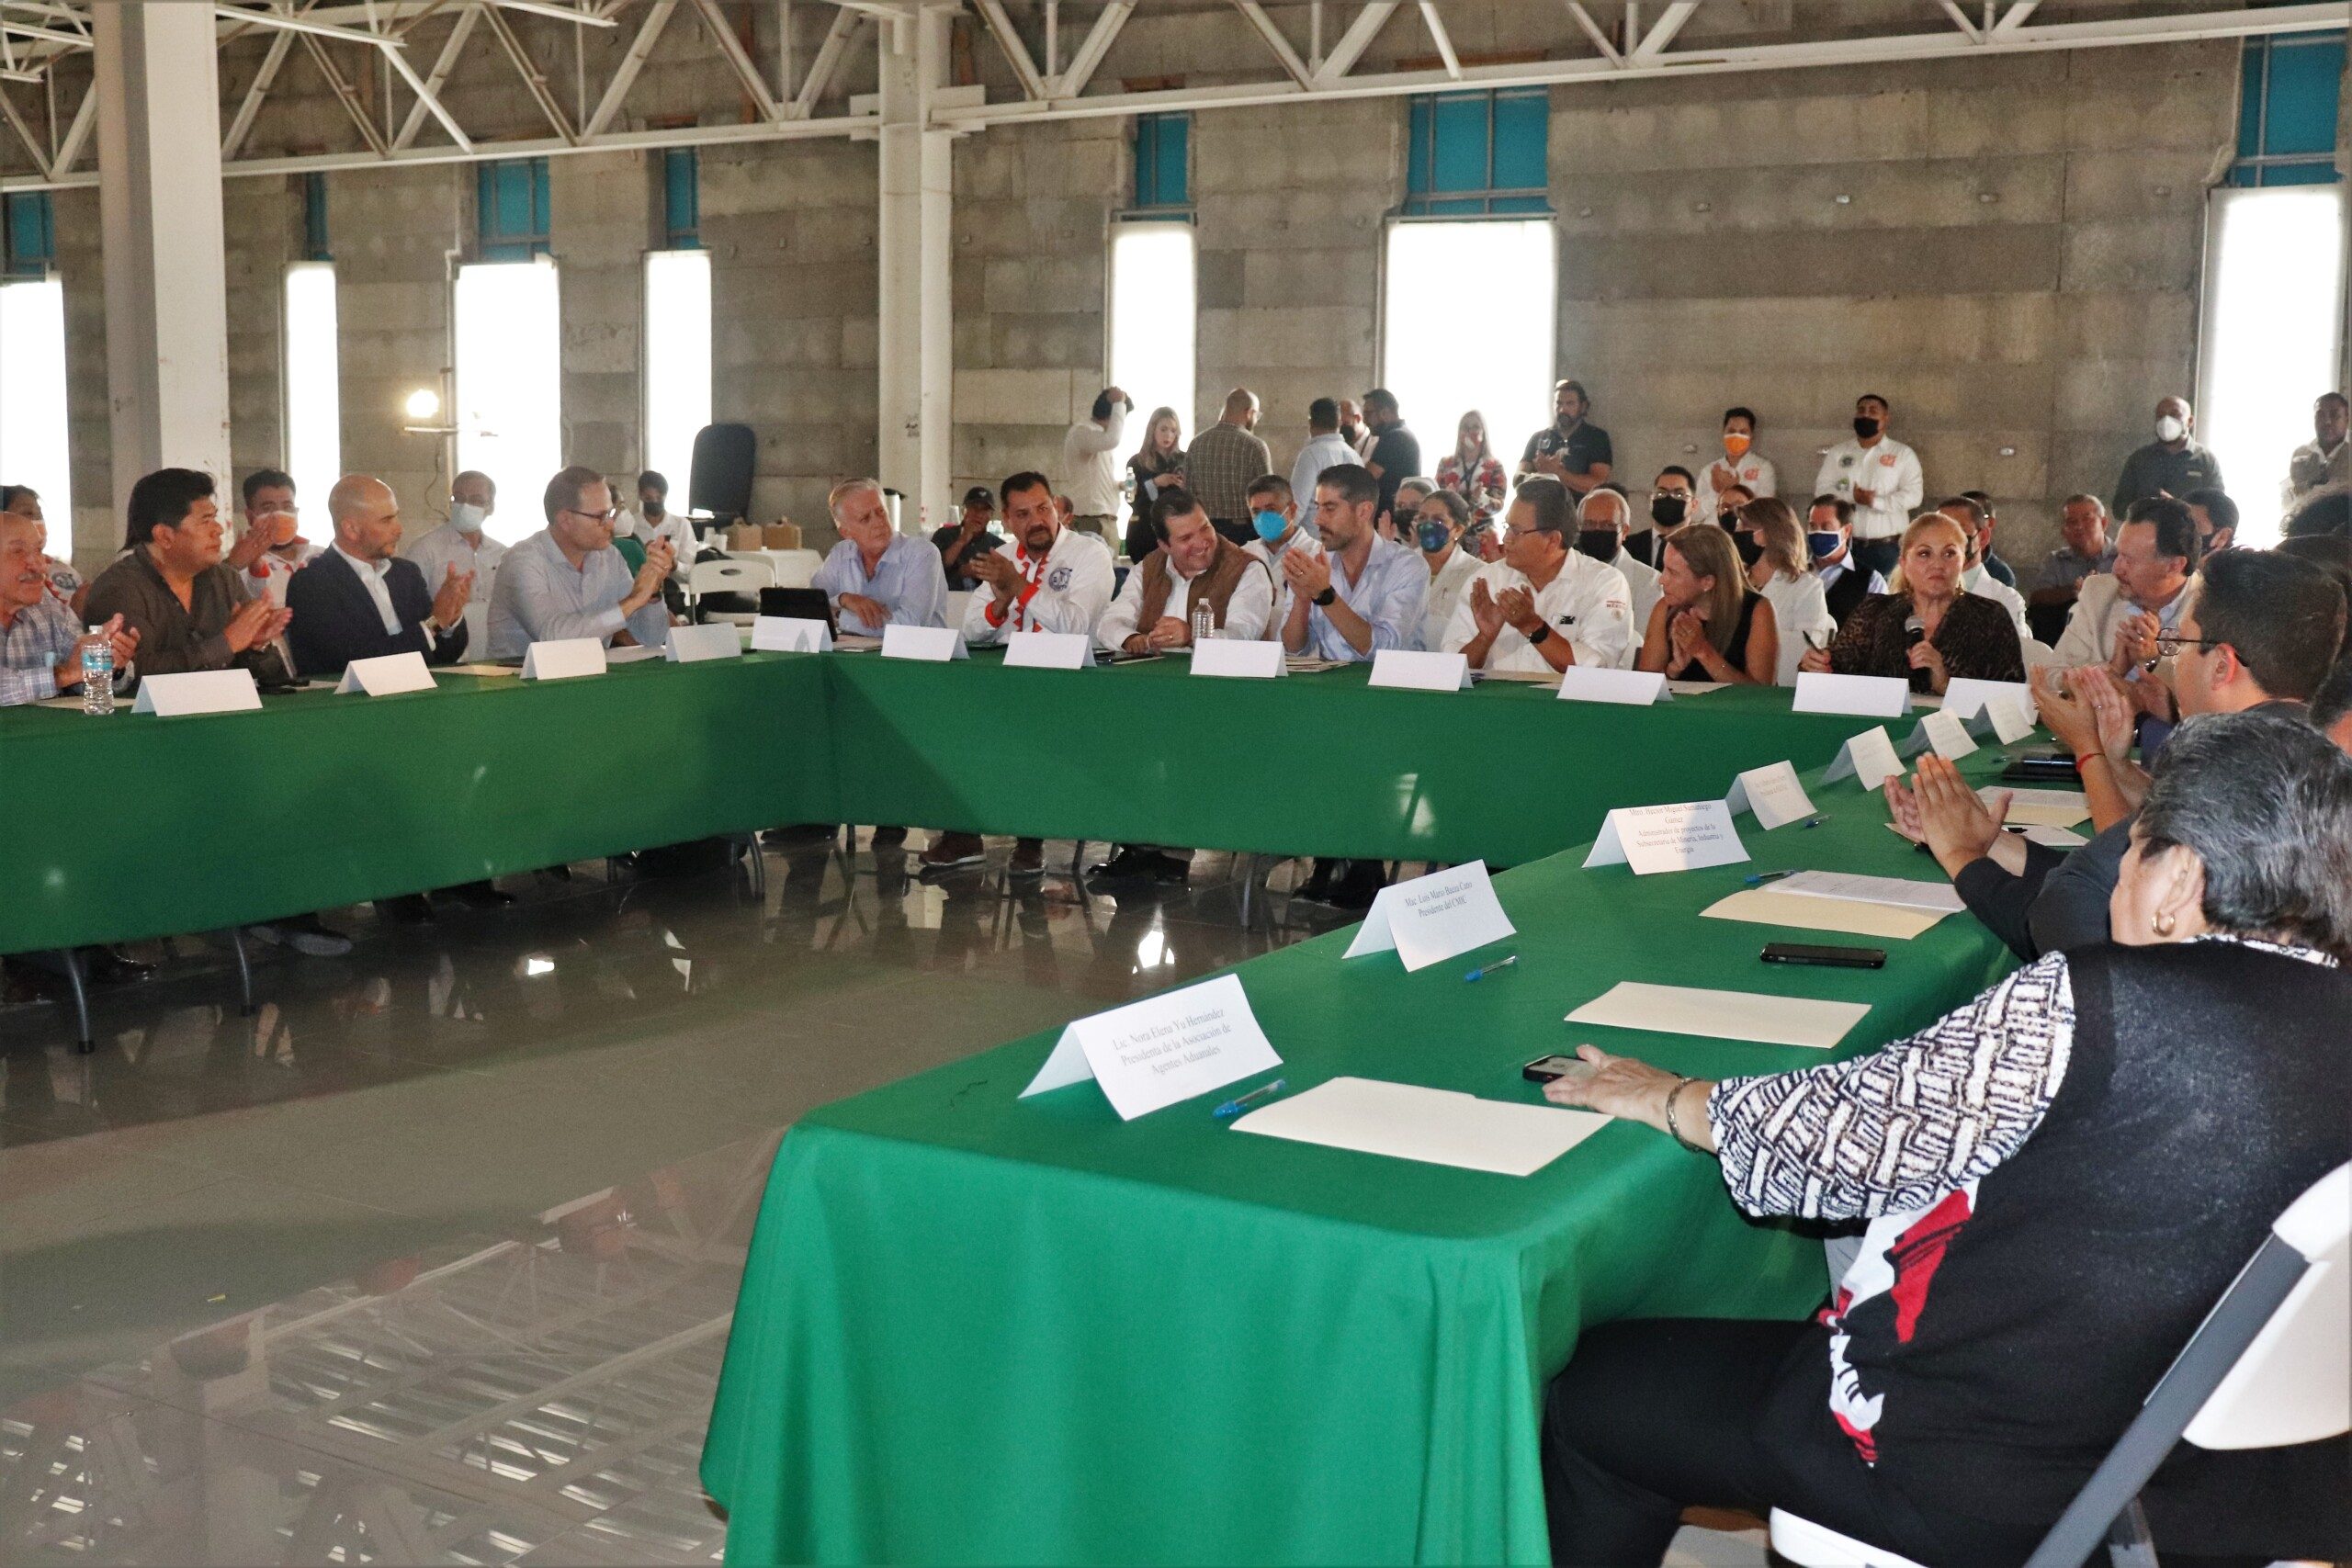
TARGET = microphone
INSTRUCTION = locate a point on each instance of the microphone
(1914, 632)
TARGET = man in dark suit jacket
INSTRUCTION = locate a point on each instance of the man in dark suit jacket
(357, 600)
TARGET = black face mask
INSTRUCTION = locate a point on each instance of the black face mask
(1865, 426)
(1728, 521)
(654, 511)
(1600, 544)
(1750, 552)
(1668, 510)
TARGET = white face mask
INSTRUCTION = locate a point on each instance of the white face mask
(466, 517)
(2170, 429)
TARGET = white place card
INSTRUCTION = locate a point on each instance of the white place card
(1869, 758)
(933, 645)
(1590, 684)
(1407, 671)
(1437, 1127)
(198, 691)
(1756, 1016)
(1046, 650)
(1165, 1048)
(791, 633)
(1432, 919)
(382, 677)
(1773, 794)
(1944, 731)
(1231, 658)
(692, 645)
(1870, 697)
(1687, 837)
(2012, 721)
(1966, 698)
(564, 658)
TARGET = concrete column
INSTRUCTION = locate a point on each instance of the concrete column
(916, 314)
(159, 205)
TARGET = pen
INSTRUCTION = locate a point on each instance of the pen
(1813, 821)
(1504, 962)
(1236, 1107)
(1764, 876)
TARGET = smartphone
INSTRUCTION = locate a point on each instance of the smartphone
(1834, 957)
(2040, 767)
(1544, 1069)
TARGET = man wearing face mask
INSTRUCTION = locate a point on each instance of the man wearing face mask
(1603, 517)
(1829, 534)
(1973, 579)
(2173, 464)
(1279, 532)
(461, 544)
(652, 519)
(1544, 606)
(1670, 507)
(2216, 516)
(1881, 478)
(1740, 465)
(1443, 519)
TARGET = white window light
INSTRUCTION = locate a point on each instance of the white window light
(1153, 317)
(1467, 322)
(510, 386)
(677, 362)
(2273, 311)
(313, 386)
(32, 402)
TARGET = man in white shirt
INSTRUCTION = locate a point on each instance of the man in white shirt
(877, 577)
(1444, 517)
(2326, 458)
(461, 543)
(651, 519)
(1325, 448)
(1603, 518)
(1544, 606)
(567, 580)
(1091, 459)
(273, 548)
(1740, 465)
(1197, 566)
(1974, 578)
(1881, 476)
(1274, 519)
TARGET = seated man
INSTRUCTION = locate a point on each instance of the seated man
(1543, 606)
(189, 610)
(1975, 576)
(2216, 516)
(1604, 517)
(273, 548)
(461, 543)
(2001, 569)
(565, 582)
(1672, 503)
(877, 576)
(1366, 592)
(40, 646)
(357, 600)
(2082, 523)
(1829, 534)
(1279, 530)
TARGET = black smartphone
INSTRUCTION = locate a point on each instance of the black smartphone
(1544, 1069)
(1834, 957)
(2035, 767)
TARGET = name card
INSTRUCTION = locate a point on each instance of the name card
(1868, 758)
(2012, 721)
(198, 691)
(933, 645)
(1687, 837)
(1870, 697)
(1773, 794)
(1243, 660)
(1966, 698)
(563, 660)
(1166, 1048)
(382, 677)
(791, 633)
(1588, 683)
(692, 645)
(1409, 672)
(1435, 918)
(1944, 730)
(1046, 650)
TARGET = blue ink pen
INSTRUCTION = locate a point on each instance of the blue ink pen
(1264, 1091)
(1813, 821)
(1761, 877)
(1504, 962)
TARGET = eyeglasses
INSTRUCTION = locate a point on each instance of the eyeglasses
(2170, 644)
(605, 516)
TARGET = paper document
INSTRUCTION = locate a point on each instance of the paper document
(2042, 807)
(1771, 906)
(630, 655)
(1695, 688)
(2055, 838)
(515, 669)
(1437, 1127)
(1307, 664)
(1935, 898)
(1524, 677)
(1723, 1015)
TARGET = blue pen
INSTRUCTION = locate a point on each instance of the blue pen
(1813, 821)
(1264, 1091)
(1504, 962)
(1762, 877)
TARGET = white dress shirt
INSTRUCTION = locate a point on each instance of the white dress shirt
(1446, 584)
(1755, 472)
(1800, 604)
(674, 526)
(1247, 614)
(1984, 585)
(371, 575)
(1587, 602)
(1329, 450)
(272, 567)
(1068, 592)
(1091, 465)
(1888, 469)
(1299, 539)
(443, 548)
(542, 597)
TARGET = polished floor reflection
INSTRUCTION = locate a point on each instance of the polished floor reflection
(432, 1259)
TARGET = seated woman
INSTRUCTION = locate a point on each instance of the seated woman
(2059, 1181)
(1779, 567)
(1708, 625)
(1925, 626)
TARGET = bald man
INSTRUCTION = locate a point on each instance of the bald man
(1222, 462)
(358, 600)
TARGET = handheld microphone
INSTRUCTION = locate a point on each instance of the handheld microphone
(1914, 632)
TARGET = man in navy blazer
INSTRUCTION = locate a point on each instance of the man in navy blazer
(358, 600)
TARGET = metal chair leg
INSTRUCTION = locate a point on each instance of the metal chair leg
(244, 972)
(758, 867)
(1249, 887)
(82, 1040)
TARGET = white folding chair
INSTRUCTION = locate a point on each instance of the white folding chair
(730, 577)
(2271, 1367)
(959, 600)
(2038, 653)
(796, 569)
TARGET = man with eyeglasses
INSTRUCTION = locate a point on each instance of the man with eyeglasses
(567, 582)
(2147, 591)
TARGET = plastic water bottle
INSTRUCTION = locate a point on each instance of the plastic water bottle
(97, 674)
(1203, 624)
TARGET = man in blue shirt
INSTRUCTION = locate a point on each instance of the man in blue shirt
(567, 582)
(877, 576)
(1367, 592)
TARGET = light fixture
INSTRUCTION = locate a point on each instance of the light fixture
(422, 404)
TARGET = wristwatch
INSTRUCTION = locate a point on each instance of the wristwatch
(1536, 637)
(1326, 597)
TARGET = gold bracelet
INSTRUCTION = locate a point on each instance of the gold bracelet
(1672, 1130)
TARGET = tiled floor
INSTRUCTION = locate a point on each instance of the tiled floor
(432, 1259)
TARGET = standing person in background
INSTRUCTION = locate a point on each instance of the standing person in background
(1740, 465)
(1351, 428)
(1473, 471)
(1782, 571)
(969, 535)
(2173, 464)
(1571, 449)
(2216, 516)
(1438, 529)
(1881, 478)
(1326, 449)
(1157, 465)
(2326, 458)
(1396, 454)
(1222, 461)
(1089, 457)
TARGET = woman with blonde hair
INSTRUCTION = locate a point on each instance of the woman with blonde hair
(1779, 567)
(1708, 624)
(1926, 628)
(1474, 472)
(1159, 466)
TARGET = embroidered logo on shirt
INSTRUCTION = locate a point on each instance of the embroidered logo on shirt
(1887, 457)
(1845, 462)
(1057, 579)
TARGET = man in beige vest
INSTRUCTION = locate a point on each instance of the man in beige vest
(1154, 612)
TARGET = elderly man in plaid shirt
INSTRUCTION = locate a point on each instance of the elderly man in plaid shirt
(41, 646)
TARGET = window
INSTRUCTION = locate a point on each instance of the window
(681, 200)
(510, 387)
(511, 208)
(1153, 317)
(1477, 154)
(2286, 111)
(1467, 323)
(31, 237)
(32, 399)
(314, 218)
(1163, 161)
(313, 383)
(677, 361)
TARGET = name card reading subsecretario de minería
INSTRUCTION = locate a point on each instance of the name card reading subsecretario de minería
(1166, 1048)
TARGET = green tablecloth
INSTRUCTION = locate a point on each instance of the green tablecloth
(980, 1329)
(155, 826)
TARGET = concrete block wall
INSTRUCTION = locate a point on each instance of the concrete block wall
(395, 234)
(262, 218)
(97, 528)
(601, 208)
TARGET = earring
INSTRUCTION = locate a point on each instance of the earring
(2161, 925)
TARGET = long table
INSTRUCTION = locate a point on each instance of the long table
(151, 826)
(981, 1329)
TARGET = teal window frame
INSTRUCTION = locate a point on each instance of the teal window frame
(680, 199)
(29, 220)
(511, 209)
(1164, 165)
(315, 246)
(2291, 93)
(1478, 155)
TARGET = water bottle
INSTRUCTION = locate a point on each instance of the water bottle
(97, 674)
(1203, 624)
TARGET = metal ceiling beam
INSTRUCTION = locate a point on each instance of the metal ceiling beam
(281, 21)
(240, 126)
(1093, 48)
(617, 90)
(429, 101)
(827, 63)
(1960, 20)
(77, 134)
(747, 73)
(350, 100)
(533, 78)
(25, 133)
(1443, 39)
(1354, 42)
(2014, 17)
(1662, 32)
(1593, 30)
(1296, 68)
(428, 97)
(1016, 53)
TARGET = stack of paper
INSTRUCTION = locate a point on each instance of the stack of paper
(1695, 688)
(1721, 1015)
(1771, 906)
(1307, 664)
(2044, 807)
(1934, 897)
(1436, 1126)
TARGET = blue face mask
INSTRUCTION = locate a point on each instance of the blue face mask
(1431, 535)
(1823, 544)
(1270, 525)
